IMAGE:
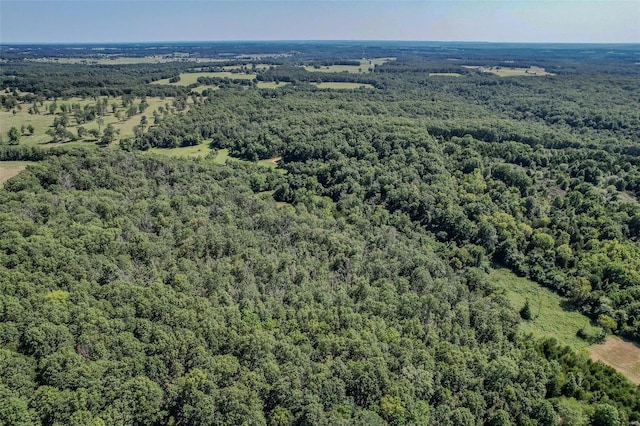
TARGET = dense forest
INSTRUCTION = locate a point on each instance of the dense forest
(346, 286)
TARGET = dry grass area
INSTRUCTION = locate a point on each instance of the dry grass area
(366, 66)
(271, 84)
(192, 77)
(444, 74)
(623, 355)
(341, 85)
(512, 71)
(123, 60)
(9, 169)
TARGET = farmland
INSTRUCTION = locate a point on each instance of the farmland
(403, 246)
(190, 78)
(505, 71)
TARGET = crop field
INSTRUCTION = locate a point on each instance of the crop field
(512, 71)
(341, 85)
(550, 318)
(43, 122)
(192, 77)
(444, 74)
(620, 354)
(9, 169)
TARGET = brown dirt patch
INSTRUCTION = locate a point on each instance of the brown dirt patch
(8, 172)
(621, 354)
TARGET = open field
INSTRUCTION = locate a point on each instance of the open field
(123, 60)
(201, 89)
(550, 319)
(511, 71)
(341, 85)
(270, 162)
(620, 354)
(270, 84)
(366, 66)
(444, 74)
(192, 77)
(248, 66)
(201, 150)
(44, 121)
(9, 169)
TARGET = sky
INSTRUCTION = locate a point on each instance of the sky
(101, 21)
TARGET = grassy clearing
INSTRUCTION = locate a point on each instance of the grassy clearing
(366, 66)
(9, 169)
(512, 71)
(43, 122)
(623, 355)
(201, 150)
(444, 74)
(201, 89)
(270, 84)
(249, 66)
(270, 162)
(551, 319)
(341, 85)
(122, 60)
(192, 77)
(222, 156)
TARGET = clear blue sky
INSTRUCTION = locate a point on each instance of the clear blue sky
(600, 21)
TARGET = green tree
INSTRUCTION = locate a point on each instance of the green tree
(14, 136)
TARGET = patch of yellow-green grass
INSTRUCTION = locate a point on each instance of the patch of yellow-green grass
(44, 121)
(122, 60)
(222, 156)
(366, 66)
(201, 150)
(192, 77)
(511, 71)
(270, 84)
(201, 89)
(341, 85)
(444, 74)
(550, 318)
(249, 67)
(9, 169)
(270, 162)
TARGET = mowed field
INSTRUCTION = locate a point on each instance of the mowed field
(44, 121)
(192, 77)
(341, 85)
(623, 355)
(9, 169)
(512, 71)
(366, 66)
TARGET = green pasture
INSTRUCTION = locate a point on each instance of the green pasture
(44, 121)
(550, 318)
(341, 85)
(366, 65)
(189, 78)
(270, 84)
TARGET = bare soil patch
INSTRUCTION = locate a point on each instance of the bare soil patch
(621, 354)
